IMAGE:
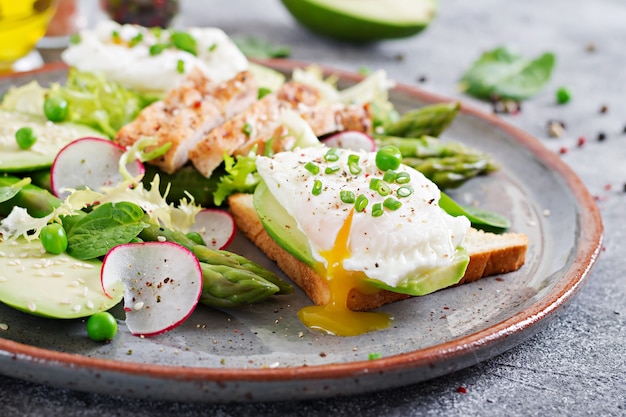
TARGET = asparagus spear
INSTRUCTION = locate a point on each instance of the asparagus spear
(429, 120)
(448, 164)
(224, 266)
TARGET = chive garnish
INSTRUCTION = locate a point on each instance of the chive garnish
(374, 184)
(403, 178)
(331, 170)
(157, 48)
(404, 191)
(383, 189)
(180, 66)
(360, 203)
(392, 203)
(312, 168)
(136, 40)
(353, 164)
(247, 129)
(347, 196)
(389, 176)
(377, 210)
(331, 155)
(317, 187)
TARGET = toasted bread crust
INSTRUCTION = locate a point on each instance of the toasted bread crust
(490, 254)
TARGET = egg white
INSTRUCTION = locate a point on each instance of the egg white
(415, 238)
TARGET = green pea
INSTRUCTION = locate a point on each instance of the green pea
(25, 137)
(388, 157)
(53, 238)
(55, 108)
(563, 95)
(101, 327)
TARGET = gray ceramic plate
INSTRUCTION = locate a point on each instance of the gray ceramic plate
(263, 353)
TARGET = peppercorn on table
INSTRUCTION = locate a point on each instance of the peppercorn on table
(576, 364)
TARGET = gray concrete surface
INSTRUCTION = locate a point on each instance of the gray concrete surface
(577, 365)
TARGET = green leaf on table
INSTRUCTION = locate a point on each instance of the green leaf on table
(479, 218)
(108, 225)
(505, 74)
(261, 48)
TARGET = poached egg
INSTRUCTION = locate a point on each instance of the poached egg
(361, 225)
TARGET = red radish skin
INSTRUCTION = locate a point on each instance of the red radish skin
(88, 162)
(352, 140)
(217, 228)
(162, 284)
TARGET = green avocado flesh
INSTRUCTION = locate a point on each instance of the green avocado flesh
(363, 20)
(51, 138)
(47, 285)
(283, 229)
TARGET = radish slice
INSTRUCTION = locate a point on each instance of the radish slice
(162, 284)
(352, 140)
(217, 228)
(88, 162)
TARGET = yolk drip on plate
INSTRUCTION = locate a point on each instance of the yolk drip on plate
(335, 317)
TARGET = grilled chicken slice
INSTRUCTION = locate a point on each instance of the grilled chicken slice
(260, 120)
(188, 113)
(323, 119)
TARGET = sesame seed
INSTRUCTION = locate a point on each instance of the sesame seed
(89, 305)
(58, 274)
(162, 239)
(74, 283)
(67, 301)
(32, 306)
(138, 305)
(4, 326)
(76, 308)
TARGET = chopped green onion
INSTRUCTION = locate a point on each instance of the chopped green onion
(247, 129)
(374, 184)
(373, 356)
(331, 155)
(403, 178)
(404, 191)
(347, 196)
(157, 31)
(312, 168)
(361, 203)
(185, 42)
(353, 164)
(383, 188)
(390, 176)
(115, 35)
(331, 170)
(180, 66)
(212, 47)
(317, 187)
(136, 40)
(377, 210)
(157, 48)
(392, 204)
(75, 39)
(388, 157)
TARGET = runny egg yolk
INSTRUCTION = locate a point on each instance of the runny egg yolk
(335, 317)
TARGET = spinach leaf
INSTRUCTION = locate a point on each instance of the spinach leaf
(108, 225)
(479, 218)
(505, 74)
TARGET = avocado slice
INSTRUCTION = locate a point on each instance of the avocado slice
(282, 227)
(51, 138)
(54, 286)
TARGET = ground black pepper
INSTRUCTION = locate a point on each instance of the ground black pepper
(601, 136)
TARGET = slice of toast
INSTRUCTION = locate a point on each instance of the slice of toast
(490, 254)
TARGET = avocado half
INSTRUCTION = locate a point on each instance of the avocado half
(363, 20)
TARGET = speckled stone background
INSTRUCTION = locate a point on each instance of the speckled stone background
(577, 365)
